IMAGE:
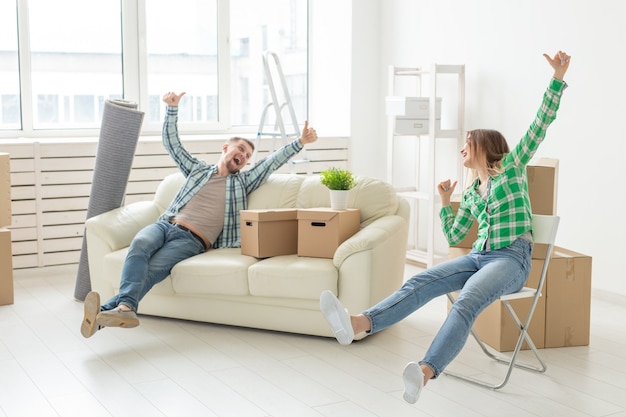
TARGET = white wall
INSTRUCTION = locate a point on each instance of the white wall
(501, 43)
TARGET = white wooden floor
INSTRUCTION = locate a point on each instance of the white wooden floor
(178, 368)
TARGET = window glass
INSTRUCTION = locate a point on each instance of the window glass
(10, 115)
(75, 57)
(181, 42)
(279, 26)
(73, 65)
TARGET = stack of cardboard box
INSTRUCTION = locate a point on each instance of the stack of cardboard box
(314, 232)
(561, 317)
(6, 261)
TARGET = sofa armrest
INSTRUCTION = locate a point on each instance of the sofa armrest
(369, 237)
(371, 262)
(118, 227)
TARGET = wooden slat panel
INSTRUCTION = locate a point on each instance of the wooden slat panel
(22, 178)
(61, 231)
(25, 261)
(23, 207)
(24, 247)
(61, 258)
(195, 146)
(151, 161)
(138, 197)
(62, 245)
(23, 233)
(26, 192)
(64, 217)
(66, 177)
(18, 149)
(52, 182)
(63, 204)
(76, 148)
(149, 174)
(22, 165)
(142, 187)
(27, 220)
(327, 154)
(67, 164)
(67, 190)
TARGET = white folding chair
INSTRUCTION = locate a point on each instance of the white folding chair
(544, 232)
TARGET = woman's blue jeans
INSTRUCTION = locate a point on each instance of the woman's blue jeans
(152, 254)
(480, 276)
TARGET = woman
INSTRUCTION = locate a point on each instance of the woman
(499, 261)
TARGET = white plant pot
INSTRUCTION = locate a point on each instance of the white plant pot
(338, 199)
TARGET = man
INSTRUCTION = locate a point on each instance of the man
(204, 214)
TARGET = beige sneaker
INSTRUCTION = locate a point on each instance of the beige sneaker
(89, 326)
(117, 318)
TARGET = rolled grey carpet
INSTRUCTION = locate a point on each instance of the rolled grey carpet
(119, 133)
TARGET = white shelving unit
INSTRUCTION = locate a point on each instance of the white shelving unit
(426, 108)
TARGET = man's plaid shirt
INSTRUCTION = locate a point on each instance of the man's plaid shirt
(197, 173)
(506, 213)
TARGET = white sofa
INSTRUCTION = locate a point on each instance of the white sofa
(279, 293)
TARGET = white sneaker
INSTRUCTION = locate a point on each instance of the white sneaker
(413, 382)
(337, 317)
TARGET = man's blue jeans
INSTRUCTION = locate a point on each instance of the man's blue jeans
(152, 254)
(480, 276)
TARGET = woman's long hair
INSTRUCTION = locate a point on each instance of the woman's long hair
(492, 145)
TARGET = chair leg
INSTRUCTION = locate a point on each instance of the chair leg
(511, 360)
(524, 332)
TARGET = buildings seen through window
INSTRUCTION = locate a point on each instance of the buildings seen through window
(75, 65)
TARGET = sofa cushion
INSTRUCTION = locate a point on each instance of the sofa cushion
(167, 189)
(279, 191)
(375, 198)
(292, 276)
(216, 272)
(113, 264)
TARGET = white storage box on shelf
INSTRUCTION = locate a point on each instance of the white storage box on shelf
(412, 107)
(412, 114)
(410, 126)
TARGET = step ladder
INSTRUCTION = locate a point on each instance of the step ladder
(278, 129)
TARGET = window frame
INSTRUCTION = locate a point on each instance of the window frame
(134, 79)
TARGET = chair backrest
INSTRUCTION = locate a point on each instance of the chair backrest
(544, 232)
(545, 228)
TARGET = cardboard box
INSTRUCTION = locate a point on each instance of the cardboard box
(562, 315)
(568, 299)
(322, 230)
(5, 190)
(266, 233)
(542, 176)
(6, 268)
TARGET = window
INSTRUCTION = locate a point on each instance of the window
(10, 114)
(77, 58)
(210, 49)
(279, 26)
(182, 55)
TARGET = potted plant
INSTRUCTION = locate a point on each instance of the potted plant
(339, 182)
